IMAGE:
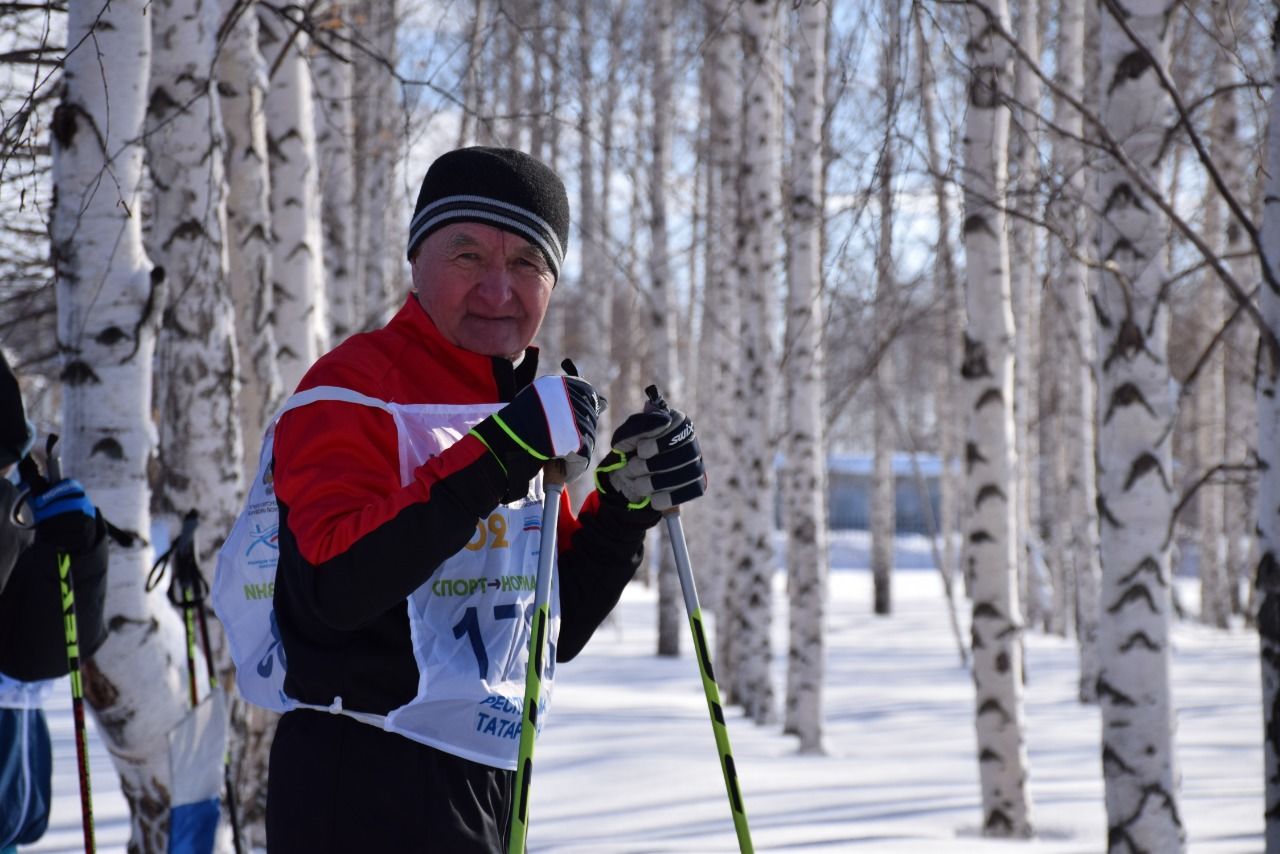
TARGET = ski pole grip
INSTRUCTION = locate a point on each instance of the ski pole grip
(554, 472)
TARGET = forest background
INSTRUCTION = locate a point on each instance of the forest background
(1030, 242)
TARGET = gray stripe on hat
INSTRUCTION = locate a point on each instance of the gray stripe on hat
(486, 200)
(475, 213)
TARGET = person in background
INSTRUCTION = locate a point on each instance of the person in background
(40, 521)
(409, 533)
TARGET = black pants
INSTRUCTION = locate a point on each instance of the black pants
(340, 785)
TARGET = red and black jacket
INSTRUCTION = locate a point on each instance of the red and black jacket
(354, 543)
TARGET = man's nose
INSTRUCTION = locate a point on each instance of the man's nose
(495, 285)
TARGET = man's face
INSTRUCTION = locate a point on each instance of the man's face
(485, 289)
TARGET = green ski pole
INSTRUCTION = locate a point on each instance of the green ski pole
(53, 467)
(675, 533)
(553, 484)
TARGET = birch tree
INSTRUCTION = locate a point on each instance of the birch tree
(990, 544)
(720, 318)
(301, 311)
(109, 303)
(242, 89)
(1134, 458)
(947, 280)
(1268, 402)
(380, 225)
(1069, 214)
(803, 484)
(753, 396)
(335, 155)
(658, 300)
(883, 515)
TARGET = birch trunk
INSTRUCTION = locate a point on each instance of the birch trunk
(660, 321)
(1268, 579)
(242, 88)
(1241, 341)
(301, 311)
(990, 552)
(472, 127)
(753, 396)
(594, 358)
(624, 388)
(803, 494)
(883, 515)
(109, 303)
(1207, 427)
(335, 155)
(945, 278)
(1079, 411)
(1023, 252)
(380, 222)
(720, 323)
(1134, 459)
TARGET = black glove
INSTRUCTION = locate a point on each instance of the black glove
(62, 513)
(554, 418)
(655, 461)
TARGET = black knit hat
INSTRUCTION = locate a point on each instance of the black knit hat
(16, 432)
(501, 187)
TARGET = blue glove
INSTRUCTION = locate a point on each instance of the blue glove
(62, 513)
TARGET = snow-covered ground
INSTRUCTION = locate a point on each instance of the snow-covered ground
(627, 762)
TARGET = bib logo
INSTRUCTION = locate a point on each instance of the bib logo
(264, 547)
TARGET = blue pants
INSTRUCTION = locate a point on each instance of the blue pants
(26, 767)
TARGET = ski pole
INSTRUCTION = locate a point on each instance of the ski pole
(53, 466)
(553, 476)
(675, 533)
(187, 590)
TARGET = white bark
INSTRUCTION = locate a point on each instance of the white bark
(720, 324)
(1025, 289)
(990, 556)
(883, 515)
(301, 311)
(242, 88)
(659, 302)
(335, 152)
(381, 223)
(1079, 411)
(754, 394)
(109, 304)
(471, 128)
(945, 278)
(1268, 402)
(803, 484)
(1134, 459)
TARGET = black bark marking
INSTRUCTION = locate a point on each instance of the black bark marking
(1147, 564)
(1128, 343)
(1135, 593)
(78, 372)
(998, 824)
(972, 456)
(1139, 638)
(1104, 319)
(984, 87)
(993, 706)
(1144, 465)
(1122, 196)
(989, 490)
(109, 448)
(1108, 692)
(1105, 514)
(110, 335)
(991, 395)
(1130, 67)
(986, 611)
(989, 755)
(979, 537)
(974, 365)
(1127, 394)
(63, 125)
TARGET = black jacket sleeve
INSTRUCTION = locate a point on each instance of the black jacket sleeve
(33, 642)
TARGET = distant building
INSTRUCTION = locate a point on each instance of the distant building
(849, 491)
